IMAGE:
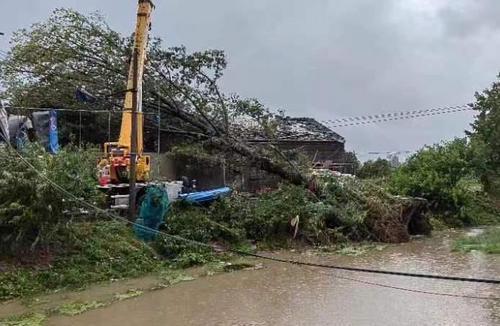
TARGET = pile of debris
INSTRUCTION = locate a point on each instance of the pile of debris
(372, 212)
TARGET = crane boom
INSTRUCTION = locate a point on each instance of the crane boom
(140, 44)
(114, 167)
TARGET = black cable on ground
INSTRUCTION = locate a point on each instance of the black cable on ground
(465, 296)
(372, 271)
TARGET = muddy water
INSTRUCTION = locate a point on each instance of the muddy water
(281, 294)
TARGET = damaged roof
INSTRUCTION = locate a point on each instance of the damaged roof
(305, 129)
(288, 129)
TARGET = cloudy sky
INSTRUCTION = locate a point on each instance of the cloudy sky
(329, 59)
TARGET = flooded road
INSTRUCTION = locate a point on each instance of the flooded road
(281, 294)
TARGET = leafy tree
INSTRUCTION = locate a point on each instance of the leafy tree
(485, 137)
(445, 175)
(379, 168)
(51, 59)
(352, 159)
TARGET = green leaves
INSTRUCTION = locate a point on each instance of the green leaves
(93, 252)
(379, 168)
(486, 137)
(446, 175)
(487, 241)
(32, 210)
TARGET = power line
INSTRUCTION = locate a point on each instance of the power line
(364, 120)
(392, 114)
(416, 291)
(407, 117)
(20, 108)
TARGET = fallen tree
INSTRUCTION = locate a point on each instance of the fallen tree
(48, 62)
(341, 210)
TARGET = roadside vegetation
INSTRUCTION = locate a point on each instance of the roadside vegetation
(90, 252)
(445, 175)
(374, 169)
(32, 210)
(488, 242)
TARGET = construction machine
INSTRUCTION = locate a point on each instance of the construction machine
(115, 165)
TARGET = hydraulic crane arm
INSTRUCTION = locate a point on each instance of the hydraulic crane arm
(115, 166)
(140, 44)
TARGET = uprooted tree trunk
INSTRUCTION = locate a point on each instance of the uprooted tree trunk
(388, 218)
(395, 223)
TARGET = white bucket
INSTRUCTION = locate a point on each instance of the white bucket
(174, 188)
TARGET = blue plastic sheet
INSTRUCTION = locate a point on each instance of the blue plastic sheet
(53, 135)
(204, 197)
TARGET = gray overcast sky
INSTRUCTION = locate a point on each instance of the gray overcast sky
(329, 59)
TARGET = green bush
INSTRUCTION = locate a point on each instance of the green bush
(338, 212)
(32, 210)
(231, 221)
(444, 174)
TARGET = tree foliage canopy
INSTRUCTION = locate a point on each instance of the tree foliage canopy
(445, 175)
(379, 168)
(485, 137)
(31, 210)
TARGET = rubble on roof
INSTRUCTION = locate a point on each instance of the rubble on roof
(306, 129)
(289, 129)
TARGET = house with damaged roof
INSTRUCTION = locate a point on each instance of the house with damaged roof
(323, 146)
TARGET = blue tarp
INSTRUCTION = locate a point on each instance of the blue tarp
(45, 123)
(203, 197)
(53, 146)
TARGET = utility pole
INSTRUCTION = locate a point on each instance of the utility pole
(159, 136)
(133, 139)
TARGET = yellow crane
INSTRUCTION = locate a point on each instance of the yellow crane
(115, 166)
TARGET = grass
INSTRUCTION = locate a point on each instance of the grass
(34, 319)
(103, 251)
(488, 242)
(77, 308)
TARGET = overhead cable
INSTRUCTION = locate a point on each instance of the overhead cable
(365, 120)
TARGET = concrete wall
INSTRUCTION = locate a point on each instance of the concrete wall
(249, 179)
(209, 176)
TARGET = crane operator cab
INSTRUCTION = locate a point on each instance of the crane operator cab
(114, 166)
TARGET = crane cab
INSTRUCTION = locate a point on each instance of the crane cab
(114, 165)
